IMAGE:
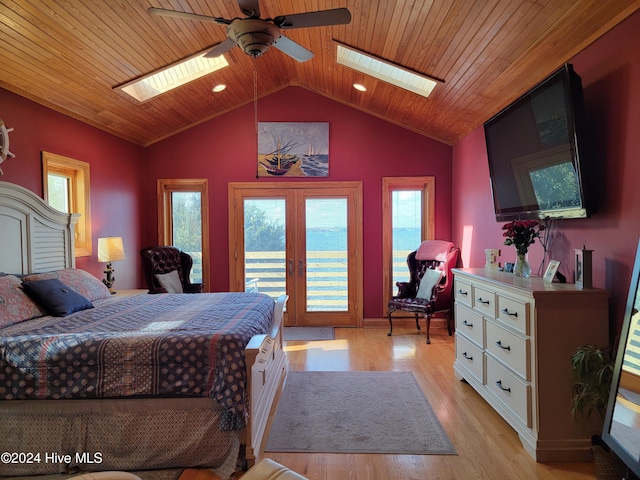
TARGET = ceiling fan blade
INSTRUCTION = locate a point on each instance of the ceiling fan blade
(293, 49)
(336, 16)
(163, 12)
(220, 48)
(250, 8)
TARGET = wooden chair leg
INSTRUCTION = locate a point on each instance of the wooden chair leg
(449, 323)
(417, 321)
(390, 324)
(428, 327)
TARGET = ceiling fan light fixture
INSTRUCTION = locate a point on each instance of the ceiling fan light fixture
(253, 36)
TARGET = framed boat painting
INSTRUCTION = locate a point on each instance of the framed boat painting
(293, 149)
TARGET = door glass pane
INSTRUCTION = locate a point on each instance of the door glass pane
(186, 214)
(326, 254)
(58, 192)
(264, 246)
(406, 235)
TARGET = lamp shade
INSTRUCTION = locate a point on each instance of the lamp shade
(110, 249)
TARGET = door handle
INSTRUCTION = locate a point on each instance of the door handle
(301, 267)
(291, 267)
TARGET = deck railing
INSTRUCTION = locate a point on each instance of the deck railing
(327, 280)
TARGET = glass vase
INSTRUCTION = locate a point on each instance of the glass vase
(522, 267)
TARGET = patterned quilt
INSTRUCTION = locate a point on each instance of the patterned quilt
(146, 345)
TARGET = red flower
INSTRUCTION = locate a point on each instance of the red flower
(522, 233)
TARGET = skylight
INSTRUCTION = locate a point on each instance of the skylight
(385, 71)
(173, 76)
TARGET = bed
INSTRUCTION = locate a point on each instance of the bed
(123, 383)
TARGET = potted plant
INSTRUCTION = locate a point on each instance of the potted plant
(592, 368)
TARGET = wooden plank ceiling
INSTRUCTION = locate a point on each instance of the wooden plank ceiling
(69, 54)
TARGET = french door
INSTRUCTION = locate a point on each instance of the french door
(302, 239)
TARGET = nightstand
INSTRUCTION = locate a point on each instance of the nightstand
(131, 293)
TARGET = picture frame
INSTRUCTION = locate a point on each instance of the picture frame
(293, 149)
(491, 255)
(551, 271)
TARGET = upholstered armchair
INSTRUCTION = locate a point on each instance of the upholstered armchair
(167, 269)
(430, 286)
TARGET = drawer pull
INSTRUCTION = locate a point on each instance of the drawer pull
(467, 324)
(504, 389)
(463, 292)
(515, 314)
(467, 356)
(484, 302)
(499, 343)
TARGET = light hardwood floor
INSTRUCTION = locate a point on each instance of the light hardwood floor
(487, 448)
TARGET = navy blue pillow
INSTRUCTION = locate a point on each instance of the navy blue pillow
(55, 297)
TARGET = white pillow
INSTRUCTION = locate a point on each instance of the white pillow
(170, 281)
(430, 279)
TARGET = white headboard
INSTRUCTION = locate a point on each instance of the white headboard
(33, 236)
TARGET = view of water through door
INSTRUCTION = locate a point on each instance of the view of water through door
(265, 255)
(327, 269)
(303, 242)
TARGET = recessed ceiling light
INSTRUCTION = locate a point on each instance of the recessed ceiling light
(385, 71)
(173, 76)
(360, 87)
(218, 88)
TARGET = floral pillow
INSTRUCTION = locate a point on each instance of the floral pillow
(15, 305)
(82, 282)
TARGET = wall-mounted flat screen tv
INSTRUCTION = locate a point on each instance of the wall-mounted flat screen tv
(537, 155)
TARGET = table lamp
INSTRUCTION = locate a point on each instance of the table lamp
(110, 249)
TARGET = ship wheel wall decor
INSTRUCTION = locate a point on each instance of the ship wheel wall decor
(4, 144)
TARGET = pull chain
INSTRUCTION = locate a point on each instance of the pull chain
(255, 111)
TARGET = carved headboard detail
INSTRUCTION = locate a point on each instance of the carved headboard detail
(33, 236)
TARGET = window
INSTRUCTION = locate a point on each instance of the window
(407, 219)
(183, 221)
(66, 188)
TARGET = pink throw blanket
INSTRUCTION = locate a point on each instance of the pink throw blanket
(434, 250)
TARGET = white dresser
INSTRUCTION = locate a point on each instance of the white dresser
(514, 341)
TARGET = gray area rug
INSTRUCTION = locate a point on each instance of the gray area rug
(356, 412)
(172, 474)
(308, 333)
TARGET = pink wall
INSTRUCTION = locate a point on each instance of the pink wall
(610, 71)
(115, 169)
(361, 147)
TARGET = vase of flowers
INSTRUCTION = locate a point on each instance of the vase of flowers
(522, 267)
(521, 234)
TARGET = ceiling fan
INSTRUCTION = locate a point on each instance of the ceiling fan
(254, 35)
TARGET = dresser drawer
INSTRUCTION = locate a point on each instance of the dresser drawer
(484, 301)
(462, 292)
(470, 323)
(470, 356)
(512, 350)
(510, 390)
(514, 313)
